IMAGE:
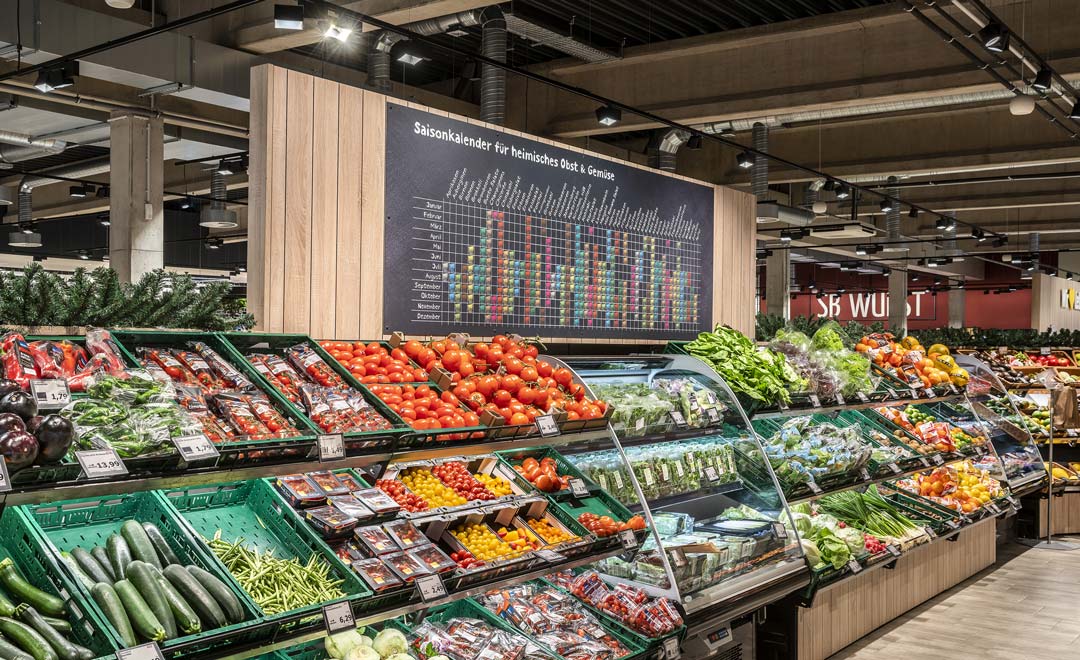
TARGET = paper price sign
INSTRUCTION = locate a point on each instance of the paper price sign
(925, 463)
(710, 473)
(1045, 350)
(840, 399)
(338, 617)
(893, 550)
(930, 532)
(862, 397)
(895, 468)
(929, 393)
(814, 488)
(854, 566)
(1012, 500)
(50, 394)
(142, 652)
(779, 531)
(938, 460)
(678, 419)
(331, 447)
(782, 405)
(671, 648)
(627, 538)
(551, 556)
(431, 587)
(5, 478)
(98, 463)
(578, 488)
(815, 401)
(195, 447)
(892, 393)
(547, 426)
(914, 393)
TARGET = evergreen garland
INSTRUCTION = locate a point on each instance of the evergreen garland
(79, 299)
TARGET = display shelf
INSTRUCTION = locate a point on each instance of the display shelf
(699, 503)
(826, 408)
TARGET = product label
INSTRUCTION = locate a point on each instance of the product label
(331, 447)
(665, 473)
(99, 463)
(431, 587)
(694, 405)
(930, 532)
(865, 474)
(310, 359)
(639, 423)
(50, 394)
(195, 447)
(617, 476)
(779, 531)
(647, 475)
(338, 617)
(679, 469)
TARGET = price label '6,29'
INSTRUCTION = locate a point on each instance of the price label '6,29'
(99, 463)
(338, 617)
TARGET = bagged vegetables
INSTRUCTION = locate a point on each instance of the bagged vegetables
(672, 468)
(803, 451)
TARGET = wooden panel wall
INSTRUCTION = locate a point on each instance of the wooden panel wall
(315, 242)
(845, 613)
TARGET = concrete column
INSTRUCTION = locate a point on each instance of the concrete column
(137, 232)
(778, 284)
(898, 302)
(957, 303)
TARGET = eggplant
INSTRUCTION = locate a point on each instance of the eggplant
(54, 437)
(7, 385)
(32, 423)
(19, 449)
(11, 422)
(20, 403)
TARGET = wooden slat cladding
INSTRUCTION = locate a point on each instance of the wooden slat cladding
(315, 247)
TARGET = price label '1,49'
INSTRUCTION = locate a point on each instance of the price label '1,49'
(338, 617)
(50, 394)
(331, 447)
(578, 488)
(98, 463)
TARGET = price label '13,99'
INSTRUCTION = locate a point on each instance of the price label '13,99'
(98, 463)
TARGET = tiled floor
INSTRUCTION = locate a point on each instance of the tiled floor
(1025, 606)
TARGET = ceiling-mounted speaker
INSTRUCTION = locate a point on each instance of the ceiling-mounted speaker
(121, 4)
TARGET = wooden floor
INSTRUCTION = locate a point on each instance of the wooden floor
(1024, 606)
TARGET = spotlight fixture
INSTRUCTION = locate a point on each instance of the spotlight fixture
(608, 115)
(813, 286)
(1010, 289)
(1043, 80)
(84, 255)
(410, 59)
(785, 236)
(830, 185)
(944, 222)
(57, 77)
(241, 269)
(1000, 241)
(978, 234)
(1070, 277)
(745, 160)
(841, 290)
(913, 213)
(214, 243)
(339, 32)
(695, 142)
(862, 250)
(104, 221)
(886, 205)
(77, 191)
(819, 207)
(843, 192)
(9, 195)
(25, 238)
(763, 253)
(1075, 112)
(186, 204)
(1006, 258)
(289, 17)
(994, 37)
(915, 277)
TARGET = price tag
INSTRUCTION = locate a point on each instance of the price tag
(671, 648)
(1045, 350)
(551, 556)
(815, 401)
(993, 508)
(331, 447)
(779, 531)
(814, 488)
(338, 617)
(5, 478)
(678, 419)
(627, 538)
(431, 587)
(894, 468)
(938, 460)
(710, 474)
(680, 557)
(952, 524)
(893, 550)
(711, 398)
(854, 566)
(142, 652)
(195, 447)
(1002, 350)
(578, 488)
(930, 532)
(952, 388)
(783, 405)
(1013, 501)
(892, 393)
(929, 393)
(50, 394)
(99, 463)
(865, 474)
(862, 397)
(548, 426)
(840, 399)
(713, 415)
(914, 393)
(925, 463)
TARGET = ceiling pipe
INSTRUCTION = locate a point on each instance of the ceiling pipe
(493, 78)
(76, 171)
(759, 174)
(663, 148)
(17, 147)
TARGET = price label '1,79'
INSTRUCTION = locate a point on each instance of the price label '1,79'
(195, 447)
(338, 617)
(51, 394)
(98, 463)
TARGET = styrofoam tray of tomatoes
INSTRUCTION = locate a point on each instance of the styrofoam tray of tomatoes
(375, 362)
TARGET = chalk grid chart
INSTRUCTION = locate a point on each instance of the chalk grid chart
(571, 249)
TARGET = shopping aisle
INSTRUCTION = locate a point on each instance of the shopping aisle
(1024, 606)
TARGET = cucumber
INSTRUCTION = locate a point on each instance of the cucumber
(19, 589)
(76, 570)
(62, 626)
(224, 596)
(164, 550)
(186, 619)
(64, 649)
(142, 618)
(27, 639)
(196, 595)
(139, 542)
(141, 574)
(106, 598)
(119, 555)
(102, 559)
(9, 651)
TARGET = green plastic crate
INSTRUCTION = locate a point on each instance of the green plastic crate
(251, 510)
(601, 504)
(25, 546)
(89, 522)
(514, 457)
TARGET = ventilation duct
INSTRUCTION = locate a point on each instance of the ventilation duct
(892, 222)
(492, 78)
(759, 174)
(16, 147)
(664, 146)
(378, 63)
(1033, 244)
(216, 216)
(26, 207)
(77, 171)
(542, 36)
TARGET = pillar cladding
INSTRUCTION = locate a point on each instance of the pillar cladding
(898, 302)
(778, 284)
(957, 303)
(137, 229)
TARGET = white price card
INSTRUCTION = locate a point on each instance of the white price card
(924, 461)
(952, 524)
(678, 419)
(547, 426)
(710, 473)
(862, 396)
(894, 468)
(639, 423)
(5, 478)
(840, 399)
(779, 531)
(952, 388)
(892, 393)
(628, 540)
(865, 474)
(578, 488)
(331, 447)
(993, 508)
(854, 566)
(338, 617)
(1045, 350)
(929, 393)
(930, 532)
(51, 394)
(195, 447)
(938, 460)
(671, 648)
(914, 393)
(431, 587)
(893, 550)
(782, 405)
(142, 652)
(99, 463)
(814, 488)
(551, 556)
(1012, 500)
(815, 401)
(713, 415)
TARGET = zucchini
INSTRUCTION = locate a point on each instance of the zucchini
(62, 626)
(143, 619)
(102, 558)
(106, 598)
(9, 651)
(164, 550)
(224, 596)
(7, 608)
(196, 595)
(119, 555)
(76, 570)
(139, 542)
(19, 589)
(186, 619)
(141, 574)
(64, 649)
(27, 639)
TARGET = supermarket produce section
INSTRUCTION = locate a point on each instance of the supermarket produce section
(257, 495)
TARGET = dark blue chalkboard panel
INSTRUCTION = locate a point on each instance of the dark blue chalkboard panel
(488, 232)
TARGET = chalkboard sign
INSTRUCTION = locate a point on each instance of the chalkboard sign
(488, 232)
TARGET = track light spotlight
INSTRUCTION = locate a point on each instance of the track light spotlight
(830, 185)
(785, 236)
(57, 77)
(1000, 241)
(994, 37)
(913, 213)
(843, 192)
(862, 250)
(1043, 79)
(944, 222)
(886, 205)
(1075, 112)
(77, 191)
(289, 17)
(694, 142)
(608, 115)
(978, 234)
(745, 160)
(214, 243)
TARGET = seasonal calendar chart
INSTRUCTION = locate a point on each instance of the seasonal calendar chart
(489, 232)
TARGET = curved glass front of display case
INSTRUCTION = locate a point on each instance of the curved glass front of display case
(710, 491)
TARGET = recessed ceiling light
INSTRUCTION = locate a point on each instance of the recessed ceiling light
(410, 59)
(608, 115)
(744, 160)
